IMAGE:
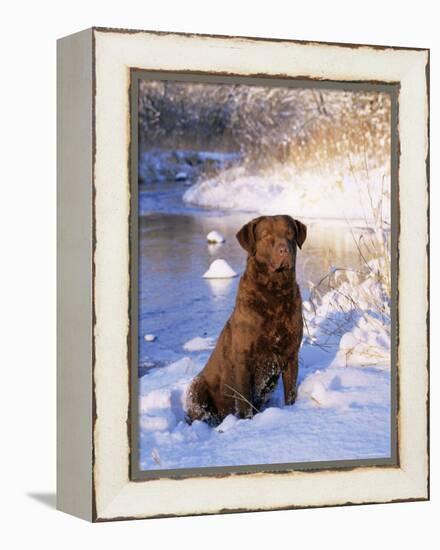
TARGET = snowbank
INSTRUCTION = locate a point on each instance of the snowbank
(361, 196)
(353, 319)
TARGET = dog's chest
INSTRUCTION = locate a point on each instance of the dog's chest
(282, 322)
(277, 336)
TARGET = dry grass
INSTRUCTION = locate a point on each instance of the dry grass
(358, 294)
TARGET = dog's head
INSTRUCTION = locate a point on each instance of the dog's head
(273, 240)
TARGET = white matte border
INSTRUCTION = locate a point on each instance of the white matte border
(115, 495)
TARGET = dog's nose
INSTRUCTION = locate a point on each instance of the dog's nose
(283, 250)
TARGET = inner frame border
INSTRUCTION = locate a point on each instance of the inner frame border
(392, 88)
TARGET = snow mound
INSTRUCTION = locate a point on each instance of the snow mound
(352, 321)
(199, 344)
(343, 388)
(215, 237)
(348, 195)
(181, 176)
(220, 269)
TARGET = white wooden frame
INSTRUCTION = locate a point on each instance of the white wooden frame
(94, 282)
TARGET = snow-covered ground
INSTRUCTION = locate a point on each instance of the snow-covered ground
(361, 195)
(343, 407)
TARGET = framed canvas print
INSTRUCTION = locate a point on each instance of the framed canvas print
(242, 274)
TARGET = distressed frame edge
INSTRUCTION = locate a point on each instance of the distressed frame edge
(352, 45)
(428, 267)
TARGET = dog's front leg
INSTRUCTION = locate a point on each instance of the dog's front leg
(290, 376)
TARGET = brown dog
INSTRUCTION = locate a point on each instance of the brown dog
(262, 337)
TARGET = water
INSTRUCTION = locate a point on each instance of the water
(175, 303)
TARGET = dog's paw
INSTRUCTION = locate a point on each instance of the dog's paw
(291, 397)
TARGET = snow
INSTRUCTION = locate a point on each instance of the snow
(353, 318)
(220, 269)
(342, 410)
(149, 337)
(361, 196)
(340, 414)
(199, 344)
(181, 176)
(215, 237)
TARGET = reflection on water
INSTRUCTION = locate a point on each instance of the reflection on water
(220, 287)
(175, 303)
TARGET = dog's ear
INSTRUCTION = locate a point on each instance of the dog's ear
(301, 233)
(300, 230)
(246, 236)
